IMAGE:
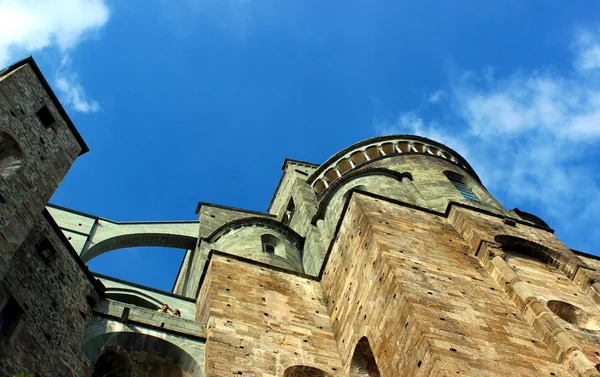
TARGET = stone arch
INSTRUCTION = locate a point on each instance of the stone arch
(114, 361)
(177, 241)
(144, 348)
(567, 263)
(363, 362)
(11, 156)
(130, 296)
(304, 371)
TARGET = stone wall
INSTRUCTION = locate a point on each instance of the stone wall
(407, 281)
(55, 297)
(42, 154)
(263, 321)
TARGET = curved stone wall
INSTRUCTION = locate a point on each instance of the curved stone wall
(246, 238)
(383, 185)
(369, 150)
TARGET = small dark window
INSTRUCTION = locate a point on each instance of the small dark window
(47, 251)
(45, 116)
(9, 317)
(457, 181)
(289, 212)
(269, 243)
(2, 200)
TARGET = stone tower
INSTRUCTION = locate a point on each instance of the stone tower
(388, 259)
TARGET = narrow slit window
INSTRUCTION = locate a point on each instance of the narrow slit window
(464, 190)
(289, 212)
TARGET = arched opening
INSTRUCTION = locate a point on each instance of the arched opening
(574, 315)
(11, 156)
(113, 363)
(304, 371)
(132, 299)
(460, 184)
(269, 243)
(568, 264)
(126, 264)
(149, 356)
(363, 361)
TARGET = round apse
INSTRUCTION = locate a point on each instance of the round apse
(574, 315)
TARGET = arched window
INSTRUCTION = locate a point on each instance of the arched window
(459, 182)
(11, 155)
(304, 371)
(269, 243)
(363, 361)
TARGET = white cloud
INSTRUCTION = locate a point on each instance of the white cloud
(530, 138)
(71, 90)
(29, 26)
(436, 97)
(74, 94)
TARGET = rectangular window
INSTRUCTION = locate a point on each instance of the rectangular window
(46, 251)
(45, 116)
(9, 318)
(464, 190)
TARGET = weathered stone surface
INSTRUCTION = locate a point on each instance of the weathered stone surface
(390, 259)
(261, 321)
(56, 299)
(30, 173)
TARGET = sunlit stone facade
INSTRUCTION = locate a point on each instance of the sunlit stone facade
(388, 259)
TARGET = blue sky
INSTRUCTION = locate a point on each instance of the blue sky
(183, 101)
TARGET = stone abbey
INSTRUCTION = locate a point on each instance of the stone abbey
(389, 259)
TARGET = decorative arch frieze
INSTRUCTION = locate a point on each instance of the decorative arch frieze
(367, 151)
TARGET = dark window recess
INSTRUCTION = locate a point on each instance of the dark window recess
(9, 317)
(47, 251)
(45, 116)
(464, 190)
(2, 200)
(269, 249)
(289, 212)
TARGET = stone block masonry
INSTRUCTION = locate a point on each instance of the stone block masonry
(38, 145)
(406, 280)
(56, 297)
